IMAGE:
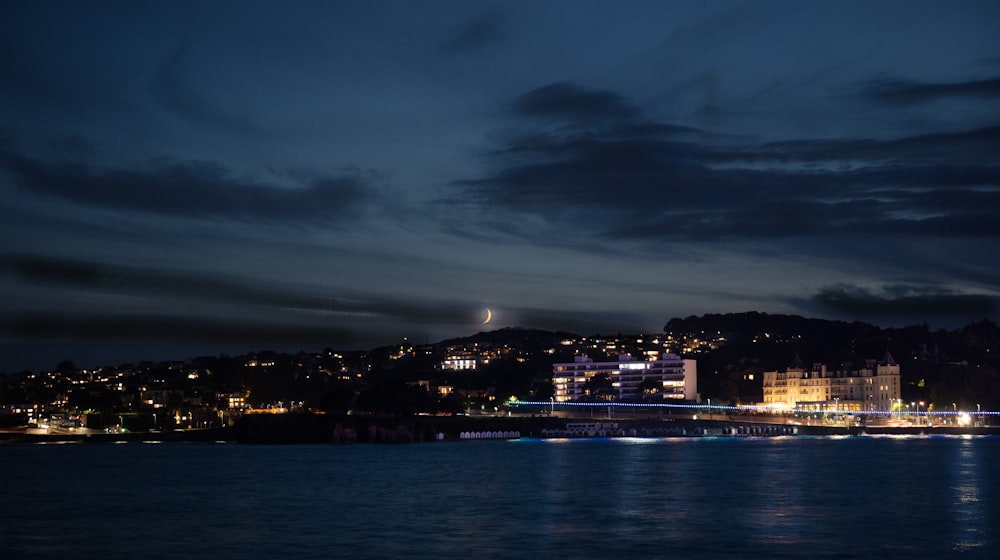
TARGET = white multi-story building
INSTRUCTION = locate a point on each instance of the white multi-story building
(458, 363)
(872, 388)
(671, 377)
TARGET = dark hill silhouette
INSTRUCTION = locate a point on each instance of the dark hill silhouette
(836, 342)
(514, 336)
(937, 366)
(776, 339)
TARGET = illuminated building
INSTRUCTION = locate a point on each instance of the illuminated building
(668, 377)
(458, 363)
(872, 388)
(233, 401)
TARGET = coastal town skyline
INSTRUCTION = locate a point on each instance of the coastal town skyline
(189, 179)
(825, 373)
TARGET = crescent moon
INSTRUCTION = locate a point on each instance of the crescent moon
(489, 316)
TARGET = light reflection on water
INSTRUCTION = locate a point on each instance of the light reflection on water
(968, 511)
(707, 497)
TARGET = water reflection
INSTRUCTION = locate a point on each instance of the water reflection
(967, 510)
(776, 516)
(918, 498)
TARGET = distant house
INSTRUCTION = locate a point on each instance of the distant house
(458, 363)
(232, 401)
(30, 411)
(668, 377)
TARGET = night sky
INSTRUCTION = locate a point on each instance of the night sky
(186, 178)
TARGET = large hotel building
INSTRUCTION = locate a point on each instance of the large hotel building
(875, 387)
(672, 377)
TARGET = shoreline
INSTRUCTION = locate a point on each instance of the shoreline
(320, 428)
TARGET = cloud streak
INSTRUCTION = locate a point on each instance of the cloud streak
(902, 302)
(191, 189)
(902, 91)
(165, 328)
(181, 307)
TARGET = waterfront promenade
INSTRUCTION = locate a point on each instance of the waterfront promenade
(580, 422)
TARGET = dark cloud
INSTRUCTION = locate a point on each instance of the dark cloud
(190, 188)
(130, 328)
(770, 218)
(548, 172)
(904, 302)
(629, 177)
(563, 100)
(484, 31)
(966, 147)
(170, 312)
(902, 91)
(159, 284)
(968, 223)
(174, 285)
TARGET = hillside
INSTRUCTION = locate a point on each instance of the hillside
(942, 366)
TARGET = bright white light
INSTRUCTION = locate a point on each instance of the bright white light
(964, 419)
(634, 366)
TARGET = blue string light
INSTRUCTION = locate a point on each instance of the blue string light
(748, 408)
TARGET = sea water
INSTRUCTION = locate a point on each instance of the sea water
(788, 497)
